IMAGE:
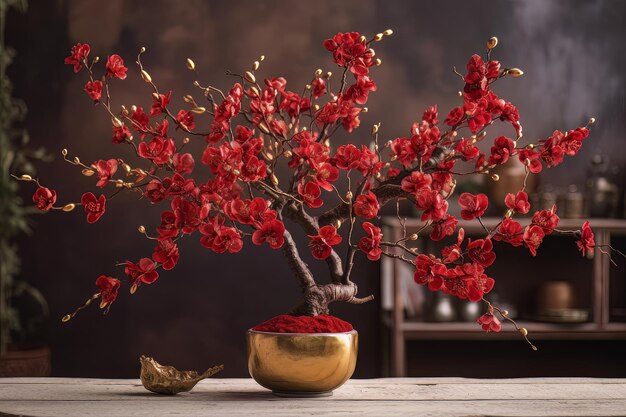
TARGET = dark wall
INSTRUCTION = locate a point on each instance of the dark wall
(196, 315)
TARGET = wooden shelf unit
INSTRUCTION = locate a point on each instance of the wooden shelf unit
(400, 329)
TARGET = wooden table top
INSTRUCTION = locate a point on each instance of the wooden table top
(69, 397)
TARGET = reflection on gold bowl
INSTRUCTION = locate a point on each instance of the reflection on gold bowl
(302, 364)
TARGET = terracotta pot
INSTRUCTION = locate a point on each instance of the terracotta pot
(25, 363)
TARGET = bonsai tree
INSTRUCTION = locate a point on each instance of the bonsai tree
(270, 156)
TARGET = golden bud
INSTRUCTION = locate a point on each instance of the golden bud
(592, 120)
(388, 32)
(262, 58)
(274, 179)
(103, 304)
(126, 168)
(349, 195)
(88, 172)
(492, 42)
(268, 156)
(255, 65)
(393, 157)
(133, 108)
(186, 140)
(156, 96)
(236, 172)
(142, 230)
(76, 160)
(116, 122)
(26, 177)
(337, 224)
(316, 107)
(530, 146)
(254, 91)
(133, 288)
(378, 37)
(249, 76)
(96, 60)
(505, 313)
(495, 177)
(66, 318)
(124, 110)
(524, 331)
(198, 110)
(307, 87)
(329, 74)
(515, 72)
(460, 93)
(364, 109)
(372, 52)
(145, 76)
(190, 64)
(188, 99)
(413, 236)
(69, 207)
(318, 73)
(64, 152)
(362, 39)
(374, 129)
(379, 62)
(263, 128)
(142, 50)
(287, 154)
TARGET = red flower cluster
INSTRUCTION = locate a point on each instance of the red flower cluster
(321, 244)
(94, 207)
(108, 287)
(44, 198)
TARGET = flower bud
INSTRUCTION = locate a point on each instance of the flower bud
(492, 42)
(372, 52)
(262, 58)
(413, 236)
(190, 64)
(88, 172)
(378, 37)
(76, 160)
(263, 128)
(254, 91)
(349, 195)
(287, 154)
(96, 60)
(274, 179)
(364, 110)
(188, 98)
(505, 313)
(145, 76)
(362, 39)
(133, 288)
(186, 140)
(255, 65)
(307, 87)
(316, 107)
(318, 73)
(495, 177)
(124, 110)
(126, 168)
(26, 177)
(66, 318)
(523, 331)
(515, 72)
(141, 229)
(592, 120)
(69, 207)
(374, 129)
(142, 50)
(379, 62)
(388, 32)
(329, 74)
(116, 122)
(249, 76)
(337, 224)
(198, 110)
(64, 152)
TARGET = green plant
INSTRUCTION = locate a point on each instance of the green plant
(15, 155)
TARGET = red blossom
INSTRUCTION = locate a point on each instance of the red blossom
(473, 205)
(185, 118)
(501, 150)
(188, 214)
(489, 323)
(105, 170)
(94, 207)
(160, 103)
(510, 232)
(108, 287)
(220, 238)
(455, 116)
(415, 182)
(546, 219)
(159, 150)
(370, 244)
(321, 244)
(518, 202)
(78, 56)
(444, 227)
(168, 228)
(319, 87)
(533, 236)
(585, 239)
(44, 198)
(183, 163)
(366, 205)
(143, 272)
(94, 90)
(120, 134)
(115, 67)
(166, 252)
(480, 251)
(347, 157)
(271, 232)
(432, 203)
(155, 191)
(310, 193)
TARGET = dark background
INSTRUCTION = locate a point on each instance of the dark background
(572, 53)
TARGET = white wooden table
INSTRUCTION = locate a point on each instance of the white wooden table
(69, 397)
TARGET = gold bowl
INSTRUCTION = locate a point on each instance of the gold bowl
(302, 364)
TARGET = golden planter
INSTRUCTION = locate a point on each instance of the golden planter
(302, 364)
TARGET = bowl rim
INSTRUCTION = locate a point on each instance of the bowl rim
(351, 332)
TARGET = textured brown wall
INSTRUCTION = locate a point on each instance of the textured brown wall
(196, 315)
